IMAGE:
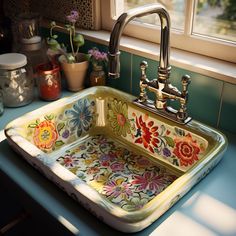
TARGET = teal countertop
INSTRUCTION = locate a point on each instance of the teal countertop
(208, 209)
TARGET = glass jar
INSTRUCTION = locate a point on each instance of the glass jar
(97, 76)
(49, 81)
(35, 53)
(28, 28)
(16, 80)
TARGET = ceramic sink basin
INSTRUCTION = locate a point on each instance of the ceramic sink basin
(124, 164)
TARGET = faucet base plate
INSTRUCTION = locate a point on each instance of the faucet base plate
(168, 113)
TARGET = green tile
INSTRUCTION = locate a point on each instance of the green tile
(136, 74)
(87, 45)
(204, 95)
(124, 82)
(228, 111)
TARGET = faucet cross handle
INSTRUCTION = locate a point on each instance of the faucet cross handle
(143, 67)
(186, 80)
(143, 82)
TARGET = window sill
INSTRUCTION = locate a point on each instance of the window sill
(218, 69)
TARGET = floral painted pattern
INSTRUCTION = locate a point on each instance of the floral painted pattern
(118, 118)
(146, 133)
(186, 150)
(117, 188)
(150, 181)
(45, 134)
(174, 145)
(80, 117)
(54, 130)
(121, 176)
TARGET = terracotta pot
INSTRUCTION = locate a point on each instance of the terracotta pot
(75, 73)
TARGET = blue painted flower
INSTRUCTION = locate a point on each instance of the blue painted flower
(80, 116)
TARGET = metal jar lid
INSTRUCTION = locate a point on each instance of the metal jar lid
(11, 61)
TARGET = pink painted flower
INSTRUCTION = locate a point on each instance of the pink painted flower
(151, 181)
(69, 161)
(143, 162)
(116, 188)
(117, 166)
(45, 134)
(106, 159)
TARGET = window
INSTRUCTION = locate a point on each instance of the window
(207, 27)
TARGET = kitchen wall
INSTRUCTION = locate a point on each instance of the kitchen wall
(211, 101)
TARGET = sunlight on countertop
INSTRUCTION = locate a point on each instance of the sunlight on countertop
(200, 215)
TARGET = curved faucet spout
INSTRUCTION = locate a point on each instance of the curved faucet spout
(113, 54)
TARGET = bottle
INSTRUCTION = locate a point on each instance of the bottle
(30, 42)
(97, 76)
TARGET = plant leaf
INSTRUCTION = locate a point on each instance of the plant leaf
(55, 36)
(78, 40)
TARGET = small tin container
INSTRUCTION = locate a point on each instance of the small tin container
(16, 80)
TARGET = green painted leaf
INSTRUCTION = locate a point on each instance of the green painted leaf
(59, 143)
(169, 141)
(175, 162)
(49, 117)
(60, 126)
(180, 132)
(32, 125)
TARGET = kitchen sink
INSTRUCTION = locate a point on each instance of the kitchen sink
(125, 164)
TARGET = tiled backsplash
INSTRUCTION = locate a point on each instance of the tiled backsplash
(211, 101)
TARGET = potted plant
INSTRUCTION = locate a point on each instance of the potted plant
(74, 64)
(98, 60)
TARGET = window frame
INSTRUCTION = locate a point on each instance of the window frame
(196, 43)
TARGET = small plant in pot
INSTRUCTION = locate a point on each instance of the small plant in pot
(74, 64)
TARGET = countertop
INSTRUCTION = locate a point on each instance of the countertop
(208, 209)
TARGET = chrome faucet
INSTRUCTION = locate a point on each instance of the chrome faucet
(162, 88)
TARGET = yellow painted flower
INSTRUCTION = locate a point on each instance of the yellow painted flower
(45, 135)
(118, 118)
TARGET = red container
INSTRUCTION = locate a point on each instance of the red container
(49, 81)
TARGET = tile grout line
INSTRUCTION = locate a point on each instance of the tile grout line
(220, 108)
(131, 72)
